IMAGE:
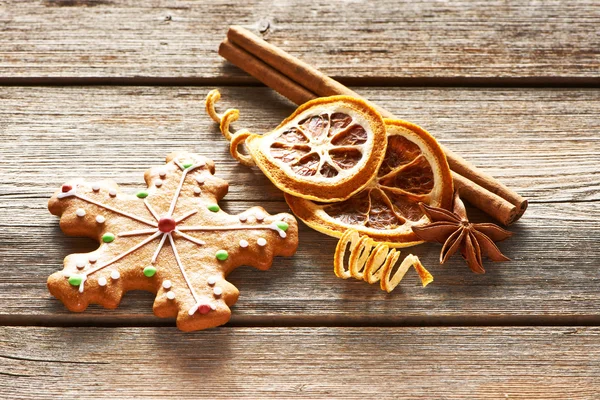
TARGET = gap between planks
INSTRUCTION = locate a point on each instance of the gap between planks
(459, 81)
(287, 321)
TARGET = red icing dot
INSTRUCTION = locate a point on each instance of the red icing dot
(66, 188)
(166, 224)
(204, 309)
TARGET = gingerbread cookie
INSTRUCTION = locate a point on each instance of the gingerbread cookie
(171, 239)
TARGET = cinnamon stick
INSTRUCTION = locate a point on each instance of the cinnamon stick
(300, 82)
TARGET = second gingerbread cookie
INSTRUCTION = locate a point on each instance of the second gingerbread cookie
(171, 239)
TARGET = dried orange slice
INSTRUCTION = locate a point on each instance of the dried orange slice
(327, 150)
(414, 170)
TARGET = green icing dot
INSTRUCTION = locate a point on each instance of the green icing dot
(187, 165)
(75, 280)
(222, 255)
(149, 271)
(108, 237)
(213, 207)
(142, 194)
(282, 225)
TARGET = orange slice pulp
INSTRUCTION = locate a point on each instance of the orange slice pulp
(413, 170)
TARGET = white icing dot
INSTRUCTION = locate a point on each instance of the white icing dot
(197, 190)
(259, 216)
(261, 242)
(167, 284)
(162, 173)
(80, 212)
(243, 243)
(112, 192)
(80, 264)
(243, 218)
(102, 281)
(158, 183)
(100, 219)
(95, 187)
(211, 280)
(171, 295)
(218, 291)
(115, 275)
(213, 307)
(93, 258)
(200, 179)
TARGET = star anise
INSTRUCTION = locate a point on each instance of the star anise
(454, 230)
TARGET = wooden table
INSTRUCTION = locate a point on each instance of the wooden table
(105, 89)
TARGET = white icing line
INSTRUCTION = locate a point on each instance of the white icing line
(117, 258)
(185, 277)
(160, 245)
(194, 308)
(233, 227)
(178, 191)
(278, 229)
(186, 216)
(190, 238)
(179, 165)
(137, 232)
(116, 210)
(149, 207)
(62, 195)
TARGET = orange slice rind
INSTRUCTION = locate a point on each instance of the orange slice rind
(326, 151)
(414, 170)
(371, 261)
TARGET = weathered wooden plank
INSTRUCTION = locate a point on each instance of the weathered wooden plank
(553, 275)
(396, 40)
(544, 143)
(344, 363)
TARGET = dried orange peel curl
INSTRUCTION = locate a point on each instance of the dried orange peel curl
(329, 149)
(373, 261)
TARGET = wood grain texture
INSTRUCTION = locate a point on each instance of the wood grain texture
(333, 363)
(389, 40)
(543, 143)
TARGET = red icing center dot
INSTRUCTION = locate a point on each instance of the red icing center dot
(204, 309)
(66, 188)
(166, 224)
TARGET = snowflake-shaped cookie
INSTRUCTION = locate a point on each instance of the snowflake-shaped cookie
(171, 239)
